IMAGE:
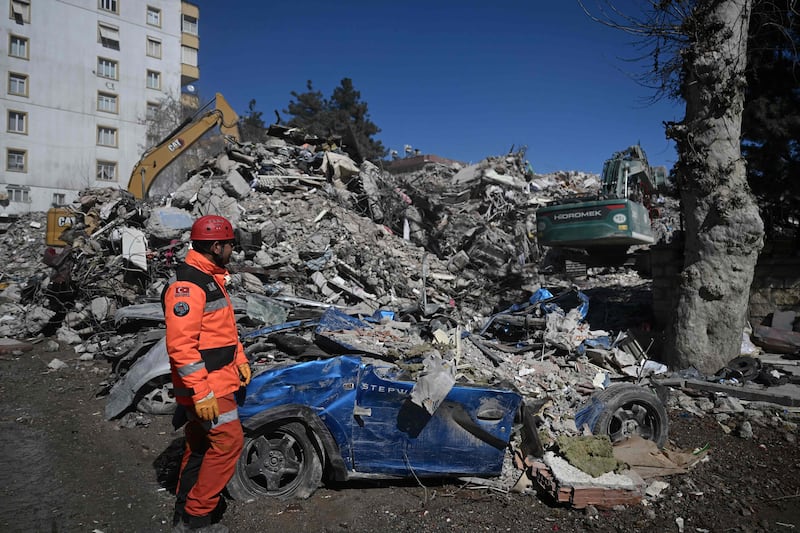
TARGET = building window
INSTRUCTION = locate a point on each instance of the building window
(189, 25)
(107, 68)
(18, 46)
(108, 5)
(107, 102)
(153, 47)
(15, 160)
(106, 136)
(152, 110)
(108, 36)
(106, 170)
(153, 79)
(59, 199)
(17, 122)
(21, 11)
(189, 55)
(17, 84)
(19, 194)
(153, 16)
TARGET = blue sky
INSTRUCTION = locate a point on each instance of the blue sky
(463, 79)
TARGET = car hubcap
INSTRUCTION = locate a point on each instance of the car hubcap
(631, 420)
(275, 461)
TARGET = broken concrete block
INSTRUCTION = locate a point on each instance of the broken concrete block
(236, 185)
(167, 223)
(623, 358)
(186, 194)
(103, 308)
(745, 430)
(467, 176)
(319, 279)
(37, 318)
(728, 404)
(74, 319)
(655, 489)
(271, 232)
(263, 259)
(252, 283)
(68, 335)
(492, 176)
(458, 262)
(339, 166)
(224, 164)
(56, 364)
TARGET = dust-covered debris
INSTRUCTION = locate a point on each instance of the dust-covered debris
(442, 259)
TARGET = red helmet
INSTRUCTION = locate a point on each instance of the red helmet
(212, 228)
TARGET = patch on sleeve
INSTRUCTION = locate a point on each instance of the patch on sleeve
(181, 309)
(181, 292)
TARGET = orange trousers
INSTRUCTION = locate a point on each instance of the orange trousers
(209, 460)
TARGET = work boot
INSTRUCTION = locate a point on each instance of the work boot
(219, 510)
(183, 527)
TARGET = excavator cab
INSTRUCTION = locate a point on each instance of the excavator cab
(618, 218)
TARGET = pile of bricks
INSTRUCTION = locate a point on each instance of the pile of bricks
(579, 496)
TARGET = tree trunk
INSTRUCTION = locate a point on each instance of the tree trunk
(723, 229)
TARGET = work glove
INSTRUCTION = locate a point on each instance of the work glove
(207, 409)
(244, 373)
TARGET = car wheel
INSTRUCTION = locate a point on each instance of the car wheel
(632, 410)
(282, 462)
(156, 397)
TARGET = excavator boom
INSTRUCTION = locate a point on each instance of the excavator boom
(157, 158)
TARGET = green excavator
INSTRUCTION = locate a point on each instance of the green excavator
(612, 221)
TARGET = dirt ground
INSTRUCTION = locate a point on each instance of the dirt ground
(68, 469)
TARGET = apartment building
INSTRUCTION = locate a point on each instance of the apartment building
(82, 77)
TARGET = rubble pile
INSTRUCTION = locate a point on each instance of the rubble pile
(294, 225)
(447, 240)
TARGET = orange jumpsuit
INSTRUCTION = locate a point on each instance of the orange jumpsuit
(204, 354)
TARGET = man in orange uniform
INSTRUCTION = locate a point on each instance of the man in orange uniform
(208, 366)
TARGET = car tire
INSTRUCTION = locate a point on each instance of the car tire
(281, 462)
(632, 410)
(156, 397)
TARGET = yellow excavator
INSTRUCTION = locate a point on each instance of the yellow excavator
(157, 158)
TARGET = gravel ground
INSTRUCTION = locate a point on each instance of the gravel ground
(68, 469)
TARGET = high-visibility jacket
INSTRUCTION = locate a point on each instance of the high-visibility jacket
(202, 339)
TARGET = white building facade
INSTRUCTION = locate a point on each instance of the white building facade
(81, 79)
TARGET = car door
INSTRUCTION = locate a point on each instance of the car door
(467, 434)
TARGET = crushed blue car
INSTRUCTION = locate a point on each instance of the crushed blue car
(343, 416)
(348, 417)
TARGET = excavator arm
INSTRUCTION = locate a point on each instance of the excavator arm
(157, 158)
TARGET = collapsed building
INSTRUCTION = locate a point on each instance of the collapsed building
(442, 258)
